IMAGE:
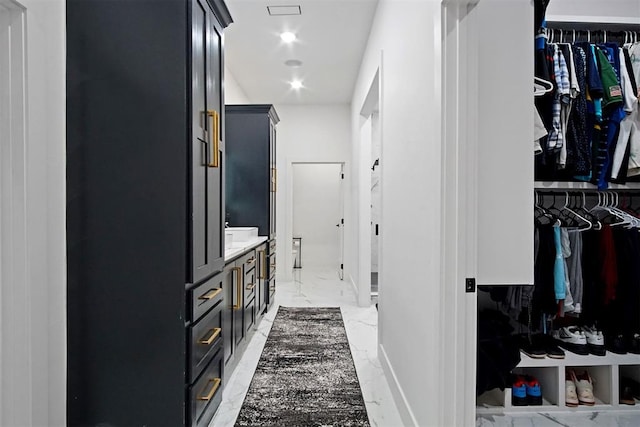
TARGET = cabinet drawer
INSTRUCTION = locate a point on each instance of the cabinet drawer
(250, 316)
(250, 285)
(205, 394)
(272, 265)
(205, 339)
(250, 261)
(204, 297)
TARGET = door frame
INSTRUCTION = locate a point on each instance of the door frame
(459, 254)
(15, 289)
(288, 256)
(371, 108)
(33, 345)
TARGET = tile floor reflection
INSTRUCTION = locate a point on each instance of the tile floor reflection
(320, 289)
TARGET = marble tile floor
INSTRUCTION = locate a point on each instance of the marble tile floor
(562, 419)
(319, 289)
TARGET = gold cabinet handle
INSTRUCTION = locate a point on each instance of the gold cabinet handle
(214, 160)
(211, 294)
(250, 286)
(214, 388)
(263, 272)
(239, 281)
(274, 180)
(273, 265)
(251, 260)
(214, 334)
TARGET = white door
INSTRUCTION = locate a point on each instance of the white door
(340, 226)
(316, 212)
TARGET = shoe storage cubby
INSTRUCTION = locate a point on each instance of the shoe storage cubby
(632, 372)
(607, 372)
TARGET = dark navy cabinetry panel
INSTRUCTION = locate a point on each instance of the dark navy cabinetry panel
(145, 205)
(251, 167)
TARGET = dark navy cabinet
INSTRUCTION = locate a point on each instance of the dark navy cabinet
(251, 167)
(252, 180)
(145, 211)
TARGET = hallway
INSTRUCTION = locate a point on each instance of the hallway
(319, 289)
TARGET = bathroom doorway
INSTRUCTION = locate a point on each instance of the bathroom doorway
(318, 219)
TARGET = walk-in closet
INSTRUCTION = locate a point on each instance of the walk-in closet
(567, 339)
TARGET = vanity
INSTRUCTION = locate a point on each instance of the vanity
(245, 282)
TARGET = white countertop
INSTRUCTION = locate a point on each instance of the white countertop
(239, 247)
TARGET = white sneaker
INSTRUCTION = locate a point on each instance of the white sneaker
(584, 386)
(571, 398)
(571, 338)
(595, 341)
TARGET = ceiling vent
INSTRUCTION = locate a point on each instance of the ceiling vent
(284, 10)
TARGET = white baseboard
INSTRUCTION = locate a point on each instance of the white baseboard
(399, 398)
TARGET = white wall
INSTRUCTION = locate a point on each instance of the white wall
(306, 133)
(406, 34)
(316, 212)
(33, 350)
(233, 92)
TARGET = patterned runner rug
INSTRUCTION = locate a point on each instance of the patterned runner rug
(305, 376)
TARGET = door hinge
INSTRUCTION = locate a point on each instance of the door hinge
(470, 284)
(341, 266)
(342, 221)
(341, 176)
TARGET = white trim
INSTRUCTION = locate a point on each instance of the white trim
(15, 285)
(371, 104)
(459, 224)
(396, 390)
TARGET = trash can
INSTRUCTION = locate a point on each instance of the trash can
(297, 252)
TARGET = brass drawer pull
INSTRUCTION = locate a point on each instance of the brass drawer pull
(263, 272)
(273, 265)
(250, 286)
(274, 180)
(214, 388)
(211, 294)
(251, 260)
(239, 281)
(214, 334)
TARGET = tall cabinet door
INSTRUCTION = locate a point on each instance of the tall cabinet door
(274, 180)
(207, 251)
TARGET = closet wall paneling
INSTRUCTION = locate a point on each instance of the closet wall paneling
(144, 210)
(504, 151)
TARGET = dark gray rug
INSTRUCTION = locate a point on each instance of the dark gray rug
(305, 376)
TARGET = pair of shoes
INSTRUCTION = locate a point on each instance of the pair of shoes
(526, 390)
(578, 389)
(595, 340)
(634, 344)
(629, 391)
(541, 346)
(581, 340)
(620, 344)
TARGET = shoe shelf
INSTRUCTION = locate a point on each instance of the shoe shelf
(572, 359)
(605, 371)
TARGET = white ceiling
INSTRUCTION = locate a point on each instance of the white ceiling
(332, 35)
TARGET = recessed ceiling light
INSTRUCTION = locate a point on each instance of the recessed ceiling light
(284, 10)
(288, 37)
(292, 63)
(296, 84)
